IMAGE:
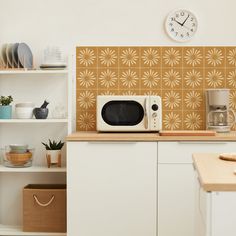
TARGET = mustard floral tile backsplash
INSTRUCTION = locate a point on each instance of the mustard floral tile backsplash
(179, 75)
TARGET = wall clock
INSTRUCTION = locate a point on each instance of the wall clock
(181, 25)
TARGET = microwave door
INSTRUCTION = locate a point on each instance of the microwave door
(145, 114)
(122, 113)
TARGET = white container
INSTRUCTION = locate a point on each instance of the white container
(25, 104)
(24, 110)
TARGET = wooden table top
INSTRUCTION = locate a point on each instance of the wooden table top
(215, 174)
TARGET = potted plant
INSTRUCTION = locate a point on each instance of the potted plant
(53, 152)
(5, 107)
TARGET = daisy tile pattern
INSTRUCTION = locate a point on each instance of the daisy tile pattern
(179, 75)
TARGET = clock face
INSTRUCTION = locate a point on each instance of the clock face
(181, 25)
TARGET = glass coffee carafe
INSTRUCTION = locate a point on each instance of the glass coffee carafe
(221, 118)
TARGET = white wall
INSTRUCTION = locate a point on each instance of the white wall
(108, 22)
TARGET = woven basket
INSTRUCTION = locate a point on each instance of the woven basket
(44, 208)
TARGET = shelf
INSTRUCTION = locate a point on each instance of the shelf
(33, 169)
(14, 230)
(33, 121)
(16, 72)
(32, 85)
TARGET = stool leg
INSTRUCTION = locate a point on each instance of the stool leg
(59, 160)
(48, 156)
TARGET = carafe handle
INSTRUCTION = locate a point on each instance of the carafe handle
(234, 117)
(208, 117)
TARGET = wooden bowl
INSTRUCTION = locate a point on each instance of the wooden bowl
(19, 158)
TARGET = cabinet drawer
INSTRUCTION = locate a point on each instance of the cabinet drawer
(181, 152)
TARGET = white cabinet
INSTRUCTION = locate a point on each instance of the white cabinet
(33, 86)
(176, 209)
(201, 209)
(175, 204)
(215, 212)
(112, 188)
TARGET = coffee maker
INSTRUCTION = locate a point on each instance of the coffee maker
(218, 115)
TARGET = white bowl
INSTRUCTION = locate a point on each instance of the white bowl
(25, 104)
(18, 148)
(24, 112)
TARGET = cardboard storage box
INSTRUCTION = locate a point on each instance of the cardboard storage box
(44, 208)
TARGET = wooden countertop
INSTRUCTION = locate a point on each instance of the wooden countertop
(95, 136)
(215, 174)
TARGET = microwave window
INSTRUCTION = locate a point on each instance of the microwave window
(127, 113)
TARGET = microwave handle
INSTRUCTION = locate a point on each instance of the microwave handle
(145, 114)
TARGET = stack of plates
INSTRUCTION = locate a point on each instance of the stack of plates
(53, 59)
(16, 55)
(51, 66)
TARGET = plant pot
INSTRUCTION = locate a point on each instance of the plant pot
(5, 112)
(53, 157)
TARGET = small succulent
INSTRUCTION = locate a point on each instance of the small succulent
(53, 145)
(5, 100)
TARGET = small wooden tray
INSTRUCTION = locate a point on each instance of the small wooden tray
(187, 133)
(228, 156)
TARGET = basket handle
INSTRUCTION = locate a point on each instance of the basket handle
(43, 204)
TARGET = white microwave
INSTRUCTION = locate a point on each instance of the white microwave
(129, 113)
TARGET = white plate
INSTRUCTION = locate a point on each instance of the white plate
(15, 59)
(53, 64)
(3, 54)
(25, 56)
(52, 68)
(9, 55)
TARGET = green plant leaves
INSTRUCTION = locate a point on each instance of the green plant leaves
(6, 100)
(53, 145)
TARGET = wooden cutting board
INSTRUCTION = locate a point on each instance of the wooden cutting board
(228, 156)
(187, 133)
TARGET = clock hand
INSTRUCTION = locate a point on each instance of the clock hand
(185, 20)
(177, 22)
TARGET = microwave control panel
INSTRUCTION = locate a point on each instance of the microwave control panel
(155, 113)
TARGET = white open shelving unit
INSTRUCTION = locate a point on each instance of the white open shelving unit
(9, 230)
(32, 86)
(33, 169)
(34, 121)
(25, 72)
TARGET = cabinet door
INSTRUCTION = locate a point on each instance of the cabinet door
(175, 200)
(112, 188)
(176, 184)
(223, 213)
(202, 200)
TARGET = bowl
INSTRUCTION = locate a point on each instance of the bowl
(40, 113)
(17, 159)
(18, 148)
(24, 112)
